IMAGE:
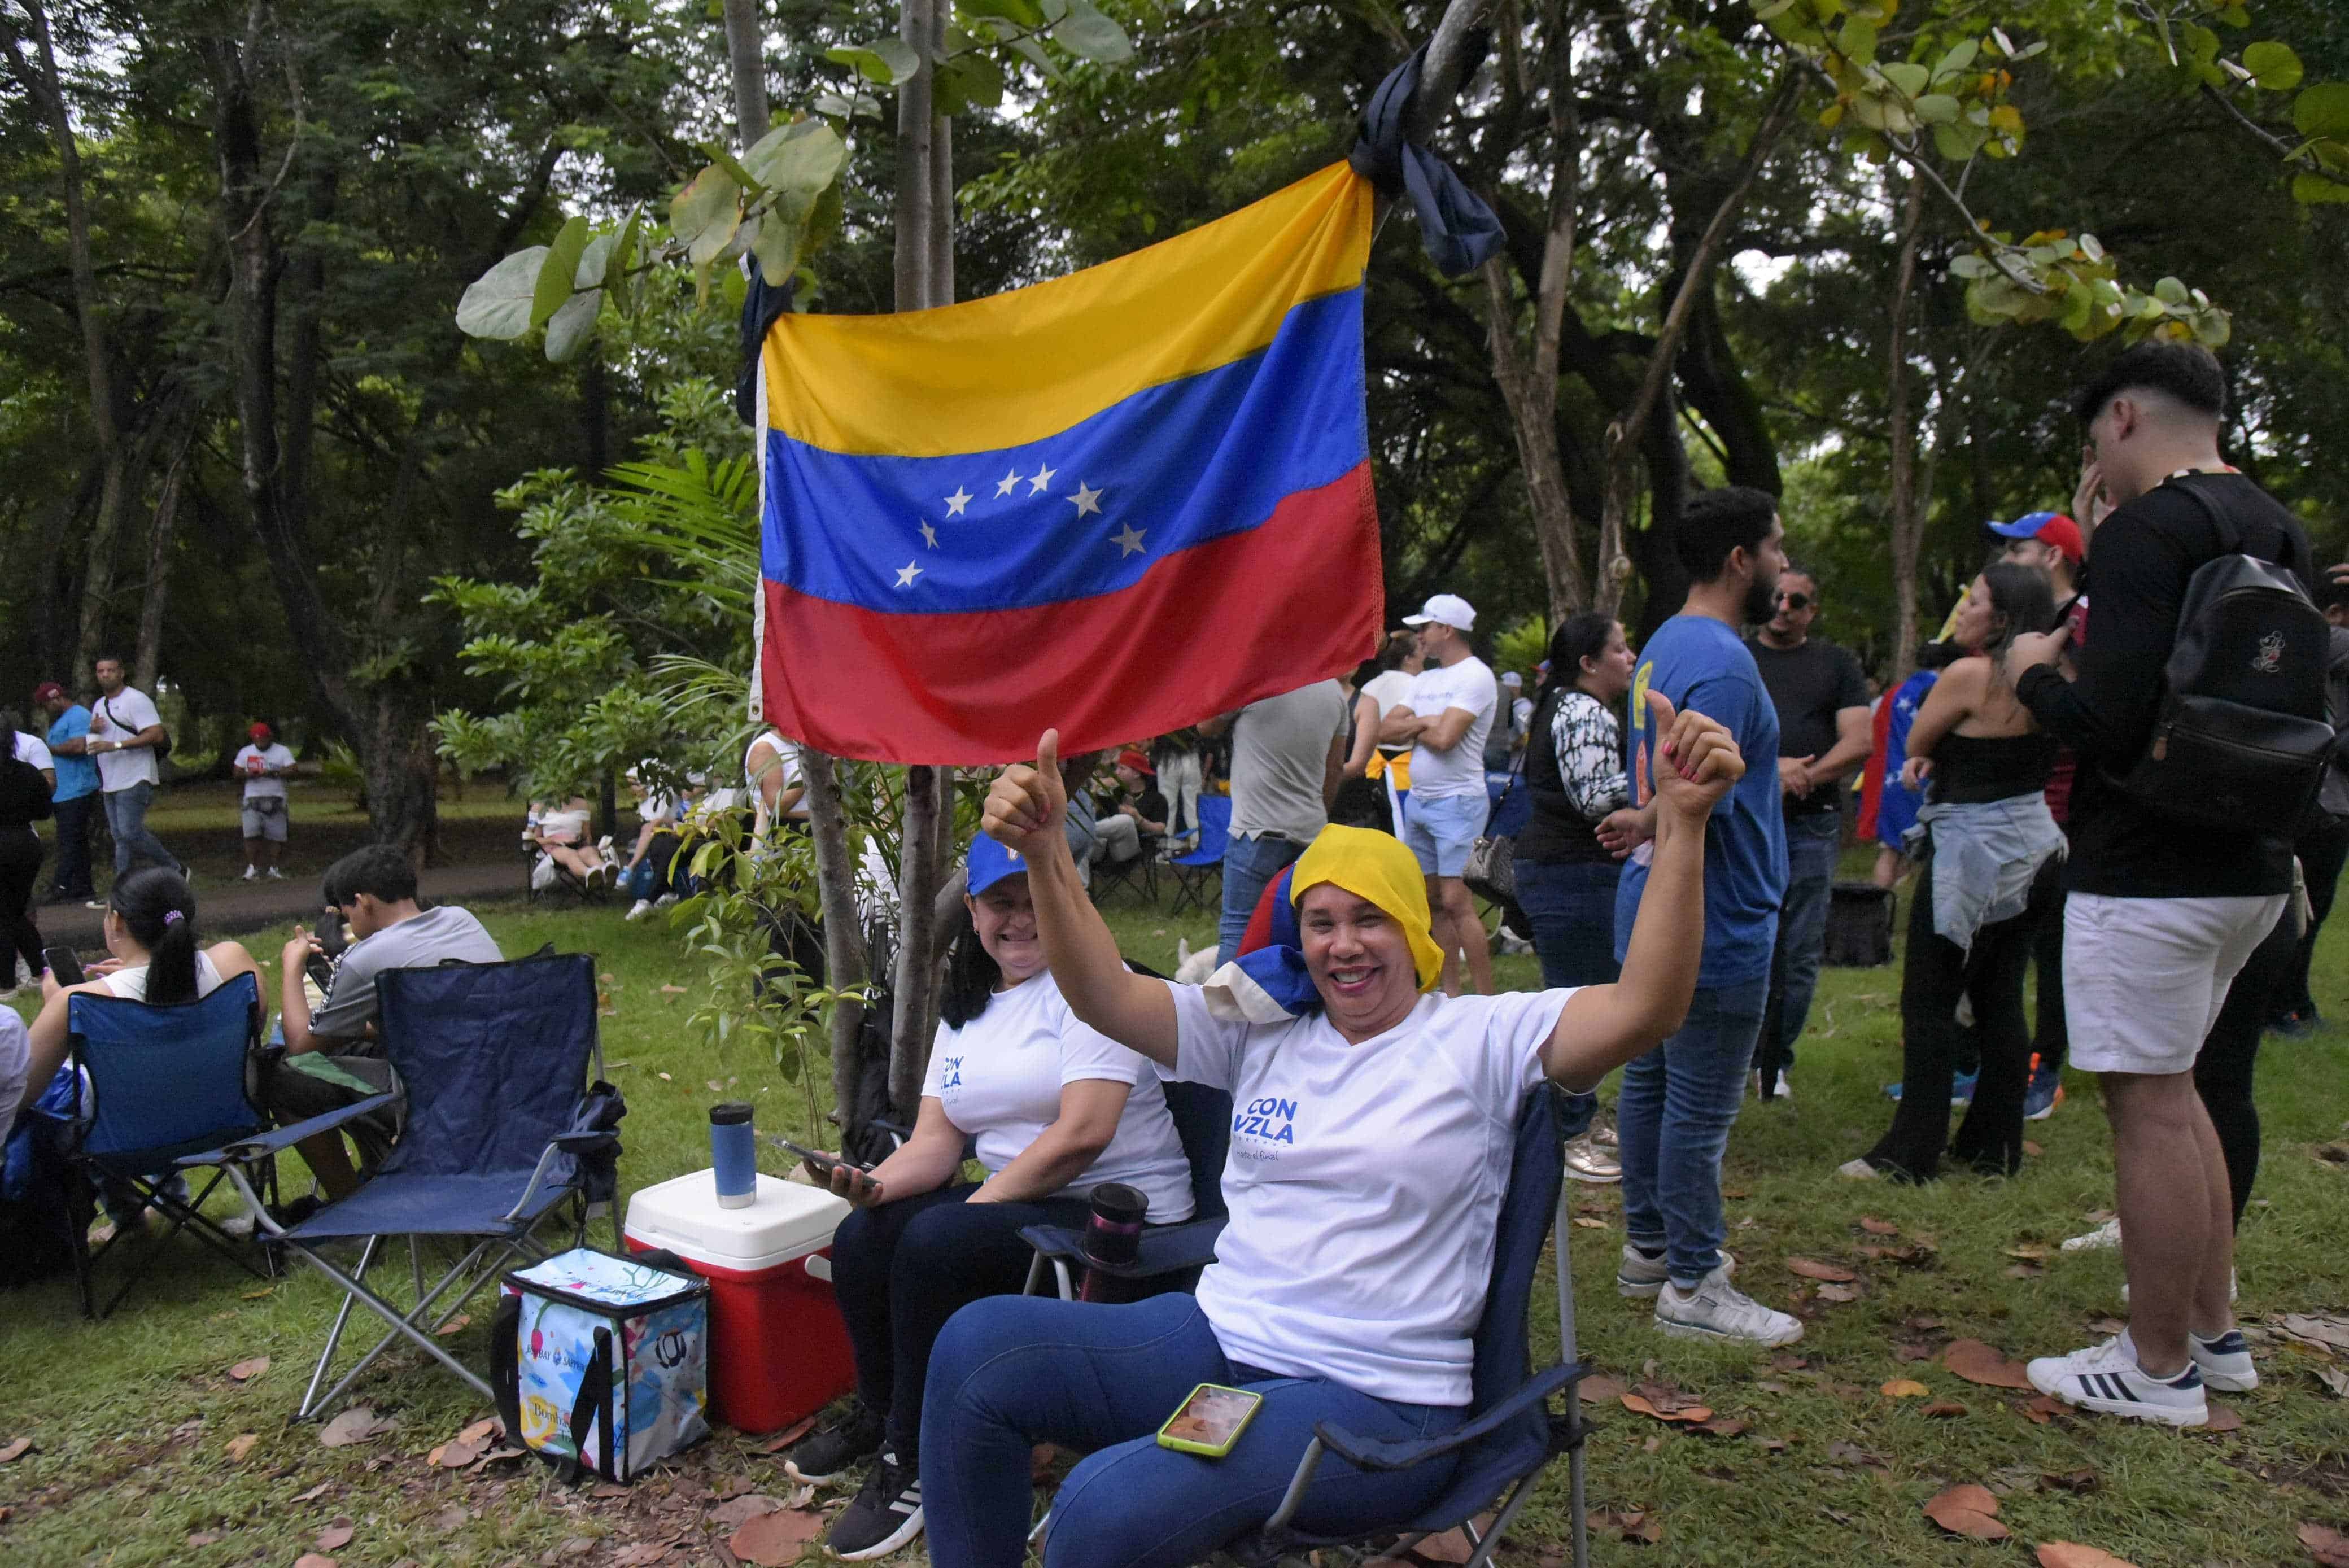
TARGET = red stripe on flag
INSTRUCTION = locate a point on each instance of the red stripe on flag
(1295, 600)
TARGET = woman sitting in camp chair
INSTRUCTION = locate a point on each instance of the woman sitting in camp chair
(1371, 1146)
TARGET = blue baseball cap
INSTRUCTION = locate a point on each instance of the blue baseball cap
(989, 862)
(2049, 528)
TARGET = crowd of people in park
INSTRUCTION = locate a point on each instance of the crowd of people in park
(2052, 789)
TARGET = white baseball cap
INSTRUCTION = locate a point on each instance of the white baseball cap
(1445, 610)
(1513, 679)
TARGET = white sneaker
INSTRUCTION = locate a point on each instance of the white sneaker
(274, 874)
(1858, 1171)
(1785, 1087)
(1638, 1275)
(643, 907)
(2107, 1234)
(665, 899)
(251, 874)
(1717, 1310)
(2105, 1379)
(1586, 1161)
(2224, 1362)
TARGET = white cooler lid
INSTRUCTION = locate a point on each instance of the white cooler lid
(790, 1220)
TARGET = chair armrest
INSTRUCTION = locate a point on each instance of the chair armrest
(282, 1138)
(1372, 1454)
(1165, 1249)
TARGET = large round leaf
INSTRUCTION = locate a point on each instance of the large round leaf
(2323, 110)
(498, 304)
(2273, 66)
(1085, 33)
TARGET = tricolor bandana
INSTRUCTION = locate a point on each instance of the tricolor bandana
(1268, 982)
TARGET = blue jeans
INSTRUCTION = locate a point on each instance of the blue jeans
(1250, 862)
(1571, 905)
(1672, 1115)
(1010, 1372)
(1813, 841)
(126, 817)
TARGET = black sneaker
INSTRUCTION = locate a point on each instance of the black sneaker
(887, 1514)
(833, 1453)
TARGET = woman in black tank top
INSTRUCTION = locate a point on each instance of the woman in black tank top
(1979, 894)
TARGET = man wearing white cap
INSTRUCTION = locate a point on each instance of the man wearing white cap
(1446, 719)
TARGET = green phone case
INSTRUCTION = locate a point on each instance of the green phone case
(1209, 1450)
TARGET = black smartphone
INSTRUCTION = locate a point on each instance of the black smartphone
(826, 1163)
(65, 964)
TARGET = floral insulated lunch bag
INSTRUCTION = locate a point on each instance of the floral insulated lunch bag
(601, 1363)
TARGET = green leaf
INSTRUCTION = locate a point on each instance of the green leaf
(885, 62)
(498, 304)
(2323, 110)
(1856, 39)
(2308, 190)
(573, 328)
(2201, 44)
(1027, 13)
(799, 159)
(2169, 291)
(616, 281)
(1972, 266)
(707, 202)
(1029, 50)
(1958, 143)
(2079, 303)
(1937, 108)
(2273, 66)
(968, 81)
(1908, 76)
(1775, 8)
(777, 246)
(1085, 33)
(2235, 16)
(824, 220)
(558, 272)
(1962, 54)
(733, 167)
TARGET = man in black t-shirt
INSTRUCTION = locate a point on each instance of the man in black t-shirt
(2162, 915)
(1824, 735)
(1133, 818)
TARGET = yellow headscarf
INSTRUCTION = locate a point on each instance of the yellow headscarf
(1374, 866)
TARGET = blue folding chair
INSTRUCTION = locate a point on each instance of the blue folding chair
(1194, 869)
(164, 1084)
(1171, 1257)
(504, 1123)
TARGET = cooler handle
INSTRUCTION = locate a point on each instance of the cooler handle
(819, 1267)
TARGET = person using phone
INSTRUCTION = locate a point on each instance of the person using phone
(1055, 1110)
(1375, 1129)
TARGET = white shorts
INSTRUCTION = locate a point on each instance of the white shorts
(2144, 978)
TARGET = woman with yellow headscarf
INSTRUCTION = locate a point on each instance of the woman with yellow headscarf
(1372, 1138)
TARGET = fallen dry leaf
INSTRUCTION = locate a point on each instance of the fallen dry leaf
(2332, 1153)
(786, 1438)
(1841, 1293)
(455, 1455)
(1734, 1193)
(1598, 1388)
(773, 1540)
(2072, 1555)
(737, 1512)
(1451, 1546)
(246, 1371)
(2324, 1330)
(356, 1424)
(1720, 1426)
(451, 1516)
(1876, 1227)
(1844, 1453)
(202, 1538)
(1640, 1406)
(315, 1560)
(1943, 1408)
(16, 1450)
(1633, 1525)
(495, 1454)
(1589, 1224)
(457, 1325)
(242, 1445)
(2333, 1378)
(1772, 1385)
(2326, 1545)
(2076, 1481)
(267, 1290)
(1968, 1511)
(487, 1426)
(315, 1492)
(1811, 1268)
(336, 1536)
(1909, 1350)
(2033, 1149)
(1978, 1363)
(1904, 1388)
(2105, 1326)
(2033, 1249)
(2044, 1408)
(2223, 1418)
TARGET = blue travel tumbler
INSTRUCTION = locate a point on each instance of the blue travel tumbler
(733, 1154)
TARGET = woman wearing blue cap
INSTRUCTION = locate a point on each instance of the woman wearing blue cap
(1055, 1109)
(1364, 1183)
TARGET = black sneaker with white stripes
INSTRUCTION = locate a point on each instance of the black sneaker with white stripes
(2107, 1378)
(887, 1514)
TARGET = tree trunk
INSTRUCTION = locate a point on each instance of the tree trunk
(746, 53)
(1908, 519)
(148, 660)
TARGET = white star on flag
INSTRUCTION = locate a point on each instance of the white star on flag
(957, 501)
(1042, 477)
(930, 536)
(1128, 542)
(906, 574)
(1086, 501)
(1003, 486)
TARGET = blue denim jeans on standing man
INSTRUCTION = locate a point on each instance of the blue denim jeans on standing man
(1250, 863)
(1571, 905)
(1813, 841)
(126, 817)
(1672, 1115)
(1012, 1371)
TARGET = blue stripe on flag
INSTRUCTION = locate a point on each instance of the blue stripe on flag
(1086, 511)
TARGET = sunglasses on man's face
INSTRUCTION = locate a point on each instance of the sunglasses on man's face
(1792, 601)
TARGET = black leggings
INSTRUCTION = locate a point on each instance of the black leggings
(901, 1269)
(20, 869)
(2323, 851)
(1937, 973)
(2222, 1072)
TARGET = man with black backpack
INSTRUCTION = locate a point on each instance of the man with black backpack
(2198, 718)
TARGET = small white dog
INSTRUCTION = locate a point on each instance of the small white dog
(1193, 968)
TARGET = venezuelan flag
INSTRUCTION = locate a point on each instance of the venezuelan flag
(1119, 502)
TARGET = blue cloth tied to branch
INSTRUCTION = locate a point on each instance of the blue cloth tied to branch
(1459, 232)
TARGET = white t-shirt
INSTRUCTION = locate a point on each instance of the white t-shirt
(1000, 1079)
(119, 717)
(132, 982)
(1468, 685)
(1391, 687)
(1365, 1185)
(265, 786)
(32, 749)
(788, 758)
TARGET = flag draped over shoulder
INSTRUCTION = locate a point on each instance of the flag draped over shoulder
(1117, 502)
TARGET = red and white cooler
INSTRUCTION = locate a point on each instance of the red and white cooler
(777, 1348)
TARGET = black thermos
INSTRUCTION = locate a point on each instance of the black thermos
(1112, 1239)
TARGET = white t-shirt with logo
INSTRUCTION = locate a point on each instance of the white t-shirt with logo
(119, 717)
(270, 786)
(1000, 1079)
(1468, 685)
(1365, 1184)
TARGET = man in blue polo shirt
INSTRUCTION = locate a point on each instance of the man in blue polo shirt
(1677, 1102)
(76, 792)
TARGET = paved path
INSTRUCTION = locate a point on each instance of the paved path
(230, 908)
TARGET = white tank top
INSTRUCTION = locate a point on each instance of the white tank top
(787, 759)
(131, 984)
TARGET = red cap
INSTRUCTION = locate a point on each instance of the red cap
(259, 731)
(1132, 759)
(2052, 527)
(45, 690)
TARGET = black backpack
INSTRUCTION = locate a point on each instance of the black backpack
(2244, 732)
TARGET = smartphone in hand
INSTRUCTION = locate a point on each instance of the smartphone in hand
(827, 1163)
(65, 964)
(1210, 1421)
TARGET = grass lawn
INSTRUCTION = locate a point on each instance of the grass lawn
(139, 1431)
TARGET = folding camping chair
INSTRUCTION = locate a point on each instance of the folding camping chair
(1171, 1256)
(164, 1083)
(1193, 868)
(503, 1123)
(1140, 873)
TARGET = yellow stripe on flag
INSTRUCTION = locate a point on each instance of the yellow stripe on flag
(1022, 365)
